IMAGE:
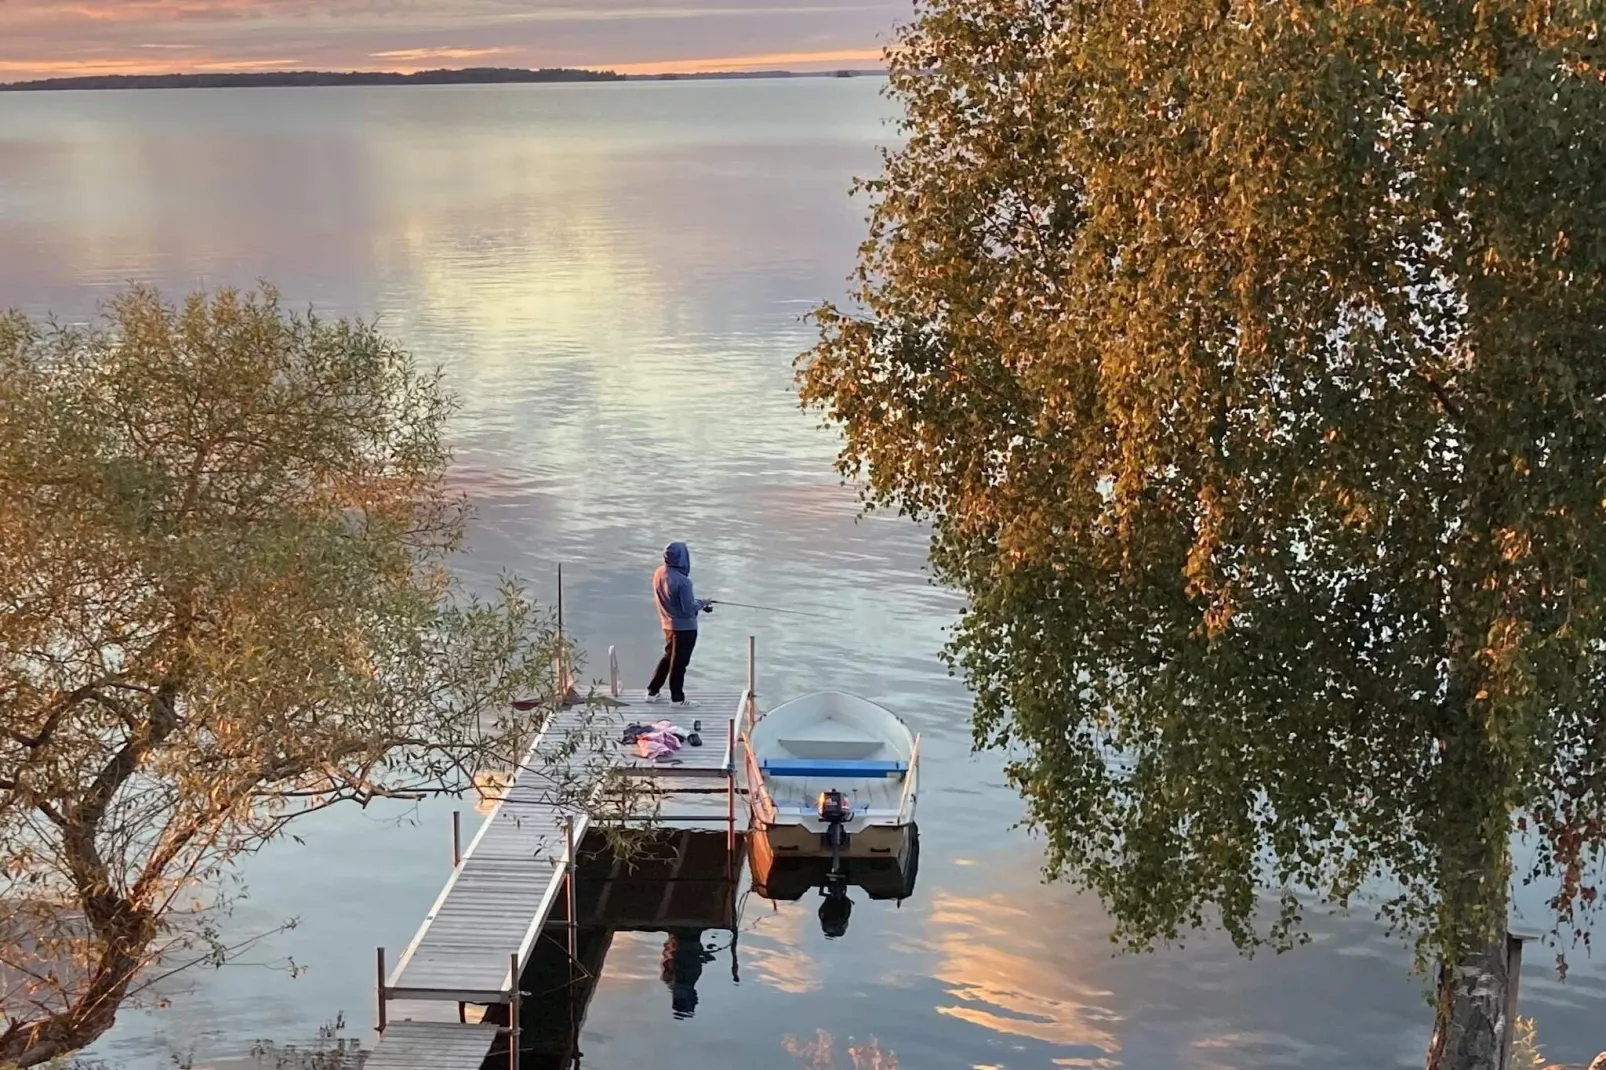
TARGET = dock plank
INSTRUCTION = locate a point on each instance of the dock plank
(432, 1046)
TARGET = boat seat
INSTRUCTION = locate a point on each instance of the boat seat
(817, 767)
(833, 749)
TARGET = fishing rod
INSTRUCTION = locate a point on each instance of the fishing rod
(769, 609)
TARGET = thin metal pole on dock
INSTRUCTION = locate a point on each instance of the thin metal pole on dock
(379, 989)
(574, 923)
(572, 996)
(457, 838)
(563, 650)
(513, 1014)
(752, 664)
(730, 790)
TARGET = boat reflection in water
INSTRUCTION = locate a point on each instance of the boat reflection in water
(788, 878)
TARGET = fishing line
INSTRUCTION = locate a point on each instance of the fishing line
(768, 609)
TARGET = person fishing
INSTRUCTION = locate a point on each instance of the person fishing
(678, 608)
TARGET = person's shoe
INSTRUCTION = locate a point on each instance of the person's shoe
(654, 699)
(685, 704)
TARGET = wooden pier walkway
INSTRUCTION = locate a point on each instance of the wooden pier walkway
(482, 930)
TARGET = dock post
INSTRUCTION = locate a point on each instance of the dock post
(730, 790)
(1513, 976)
(379, 989)
(513, 1014)
(563, 651)
(571, 997)
(457, 838)
(568, 880)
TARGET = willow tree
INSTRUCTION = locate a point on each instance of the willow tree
(1249, 361)
(224, 604)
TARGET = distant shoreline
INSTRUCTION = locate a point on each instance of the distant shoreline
(466, 76)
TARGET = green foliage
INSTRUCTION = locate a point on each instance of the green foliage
(1524, 1054)
(1248, 361)
(225, 603)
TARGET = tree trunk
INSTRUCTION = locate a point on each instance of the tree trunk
(90, 986)
(92, 1012)
(1470, 1012)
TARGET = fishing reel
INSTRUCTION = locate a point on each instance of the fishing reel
(835, 807)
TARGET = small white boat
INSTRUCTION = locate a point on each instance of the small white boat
(834, 776)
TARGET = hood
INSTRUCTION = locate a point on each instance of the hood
(677, 557)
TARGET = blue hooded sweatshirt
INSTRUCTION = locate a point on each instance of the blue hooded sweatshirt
(677, 607)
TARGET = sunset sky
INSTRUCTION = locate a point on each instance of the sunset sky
(52, 38)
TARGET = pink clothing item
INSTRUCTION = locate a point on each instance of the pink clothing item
(656, 745)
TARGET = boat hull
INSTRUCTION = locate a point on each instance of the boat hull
(874, 841)
(789, 877)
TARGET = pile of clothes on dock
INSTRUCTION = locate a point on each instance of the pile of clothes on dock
(661, 739)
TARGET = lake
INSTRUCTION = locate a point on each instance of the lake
(613, 278)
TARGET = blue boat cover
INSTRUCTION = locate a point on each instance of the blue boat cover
(862, 767)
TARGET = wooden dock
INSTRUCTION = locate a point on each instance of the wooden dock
(483, 928)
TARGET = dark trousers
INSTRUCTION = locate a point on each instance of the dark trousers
(672, 666)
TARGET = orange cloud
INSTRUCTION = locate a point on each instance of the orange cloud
(157, 10)
(244, 64)
(53, 68)
(751, 63)
(84, 67)
(999, 979)
(439, 53)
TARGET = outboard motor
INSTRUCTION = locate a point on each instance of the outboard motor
(836, 810)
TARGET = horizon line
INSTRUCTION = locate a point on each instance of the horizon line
(600, 72)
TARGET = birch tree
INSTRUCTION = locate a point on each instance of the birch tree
(1249, 360)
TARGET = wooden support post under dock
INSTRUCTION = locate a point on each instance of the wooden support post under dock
(1514, 944)
(379, 989)
(515, 1005)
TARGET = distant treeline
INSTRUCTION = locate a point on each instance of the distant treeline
(469, 76)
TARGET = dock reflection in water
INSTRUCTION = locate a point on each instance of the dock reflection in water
(679, 882)
(685, 884)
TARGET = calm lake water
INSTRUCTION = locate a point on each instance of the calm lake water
(613, 278)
